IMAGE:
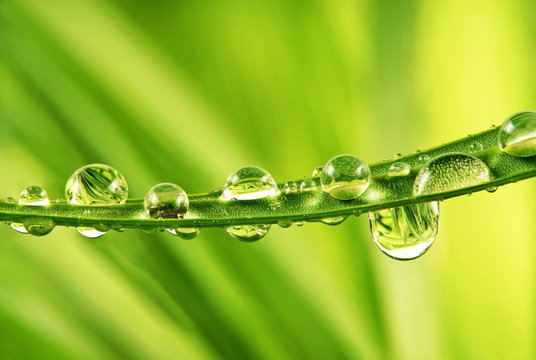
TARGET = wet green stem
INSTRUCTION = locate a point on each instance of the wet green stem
(206, 210)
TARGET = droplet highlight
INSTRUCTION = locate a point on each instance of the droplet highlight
(405, 232)
(345, 177)
(184, 233)
(398, 169)
(166, 201)
(250, 183)
(248, 233)
(517, 135)
(450, 172)
(336, 220)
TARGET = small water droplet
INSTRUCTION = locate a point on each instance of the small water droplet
(345, 177)
(422, 159)
(248, 233)
(397, 155)
(290, 187)
(476, 146)
(299, 223)
(336, 220)
(450, 172)
(166, 201)
(96, 184)
(357, 213)
(398, 169)
(39, 226)
(285, 223)
(33, 196)
(249, 183)
(517, 135)
(492, 189)
(308, 185)
(317, 171)
(405, 232)
(184, 233)
(10, 200)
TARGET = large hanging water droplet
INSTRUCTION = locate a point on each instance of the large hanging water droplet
(517, 135)
(184, 233)
(248, 233)
(166, 201)
(39, 226)
(249, 183)
(345, 177)
(96, 184)
(405, 232)
(450, 172)
(398, 169)
(32, 196)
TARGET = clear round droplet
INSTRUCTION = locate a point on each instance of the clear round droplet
(96, 184)
(166, 201)
(39, 226)
(517, 135)
(249, 183)
(290, 187)
(299, 223)
(336, 220)
(307, 185)
(405, 232)
(248, 233)
(476, 146)
(345, 177)
(492, 189)
(422, 159)
(184, 233)
(317, 171)
(32, 196)
(450, 172)
(399, 169)
(284, 223)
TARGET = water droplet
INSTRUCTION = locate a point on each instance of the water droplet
(248, 233)
(32, 196)
(398, 155)
(308, 185)
(422, 159)
(405, 232)
(96, 184)
(492, 189)
(249, 183)
(476, 146)
(317, 171)
(450, 172)
(357, 213)
(299, 223)
(336, 220)
(39, 226)
(9, 199)
(345, 177)
(290, 187)
(166, 201)
(398, 169)
(184, 233)
(284, 223)
(517, 135)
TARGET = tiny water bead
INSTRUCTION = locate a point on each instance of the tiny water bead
(248, 233)
(399, 169)
(345, 177)
(317, 171)
(450, 172)
(96, 184)
(184, 233)
(32, 196)
(285, 223)
(290, 187)
(517, 135)
(405, 232)
(166, 201)
(476, 146)
(250, 183)
(308, 185)
(423, 158)
(336, 220)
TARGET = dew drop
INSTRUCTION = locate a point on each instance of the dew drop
(422, 159)
(248, 233)
(299, 223)
(166, 201)
(317, 171)
(290, 187)
(32, 196)
(345, 177)
(284, 223)
(39, 226)
(184, 233)
(398, 155)
(96, 184)
(336, 220)
(308, 185)
(405, 232)
(476, 146)
(517, 135)
(249, 183)
(450, 172)
(492, 189)
(398, 169)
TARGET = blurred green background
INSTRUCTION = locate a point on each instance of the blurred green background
(190, 91)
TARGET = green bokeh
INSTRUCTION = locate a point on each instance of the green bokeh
(188, 92)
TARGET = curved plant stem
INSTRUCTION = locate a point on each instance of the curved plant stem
(206, 210)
